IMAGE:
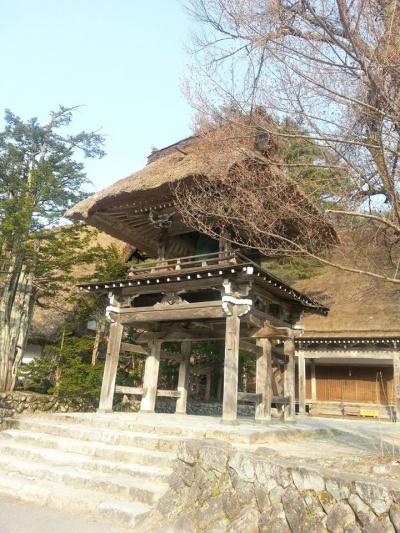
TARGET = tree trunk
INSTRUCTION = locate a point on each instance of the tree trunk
(16, 309)
(96, 345)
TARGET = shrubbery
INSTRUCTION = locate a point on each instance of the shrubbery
(65, 371)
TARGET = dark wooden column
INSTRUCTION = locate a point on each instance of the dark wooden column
(150, 378)
(301, 362)
(183, 378)
(264, 381)
(220, 386)
(231, 367)
(289, 380)
(207, 394)
(110, 368)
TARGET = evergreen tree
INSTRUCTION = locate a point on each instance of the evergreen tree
(314, 167)
(39, 180)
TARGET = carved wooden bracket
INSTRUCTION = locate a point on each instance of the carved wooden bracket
(170, 298)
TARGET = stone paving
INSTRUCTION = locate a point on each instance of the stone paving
(359, 446)
(23, 517)
(316, 439)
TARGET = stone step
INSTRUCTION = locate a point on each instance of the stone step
(120, 486)
(12, 448)
(147, 440)
(118, 453)
(171, 427)
(54, 495)
(126, 422)
(152, 433)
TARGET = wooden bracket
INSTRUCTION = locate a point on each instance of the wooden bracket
(249, 347)
(134, 348)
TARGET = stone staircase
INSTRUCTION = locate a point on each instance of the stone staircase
(114, 465)
(85, 463)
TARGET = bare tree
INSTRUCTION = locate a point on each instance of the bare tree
(333, 68)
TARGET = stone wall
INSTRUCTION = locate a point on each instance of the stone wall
(31, 402)
(167, 405)
(216, 488)
(17, 402)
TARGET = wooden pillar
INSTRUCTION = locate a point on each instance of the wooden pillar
(220, 386)
(264, 381)
(301, 361)
(313, 380)
(183, 378)
(96, 345)
(150, 378)
(396, 383)
(110, 368)
(289, 380)
(207, 394)
(231, 367)
(278, 386)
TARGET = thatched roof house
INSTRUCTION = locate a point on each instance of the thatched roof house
(352, 355)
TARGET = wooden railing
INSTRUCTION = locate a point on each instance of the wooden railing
(139, 391)
(188, 262)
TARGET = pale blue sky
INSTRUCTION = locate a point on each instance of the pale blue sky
(123, 59)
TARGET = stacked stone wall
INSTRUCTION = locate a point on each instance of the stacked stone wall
(216, 488)
(167, 405)
(17, 402)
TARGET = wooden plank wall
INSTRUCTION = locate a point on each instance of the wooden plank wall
(364, 385)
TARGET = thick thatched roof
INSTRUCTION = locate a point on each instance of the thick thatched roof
(359, 307)
(149, 182)
(122, 210)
